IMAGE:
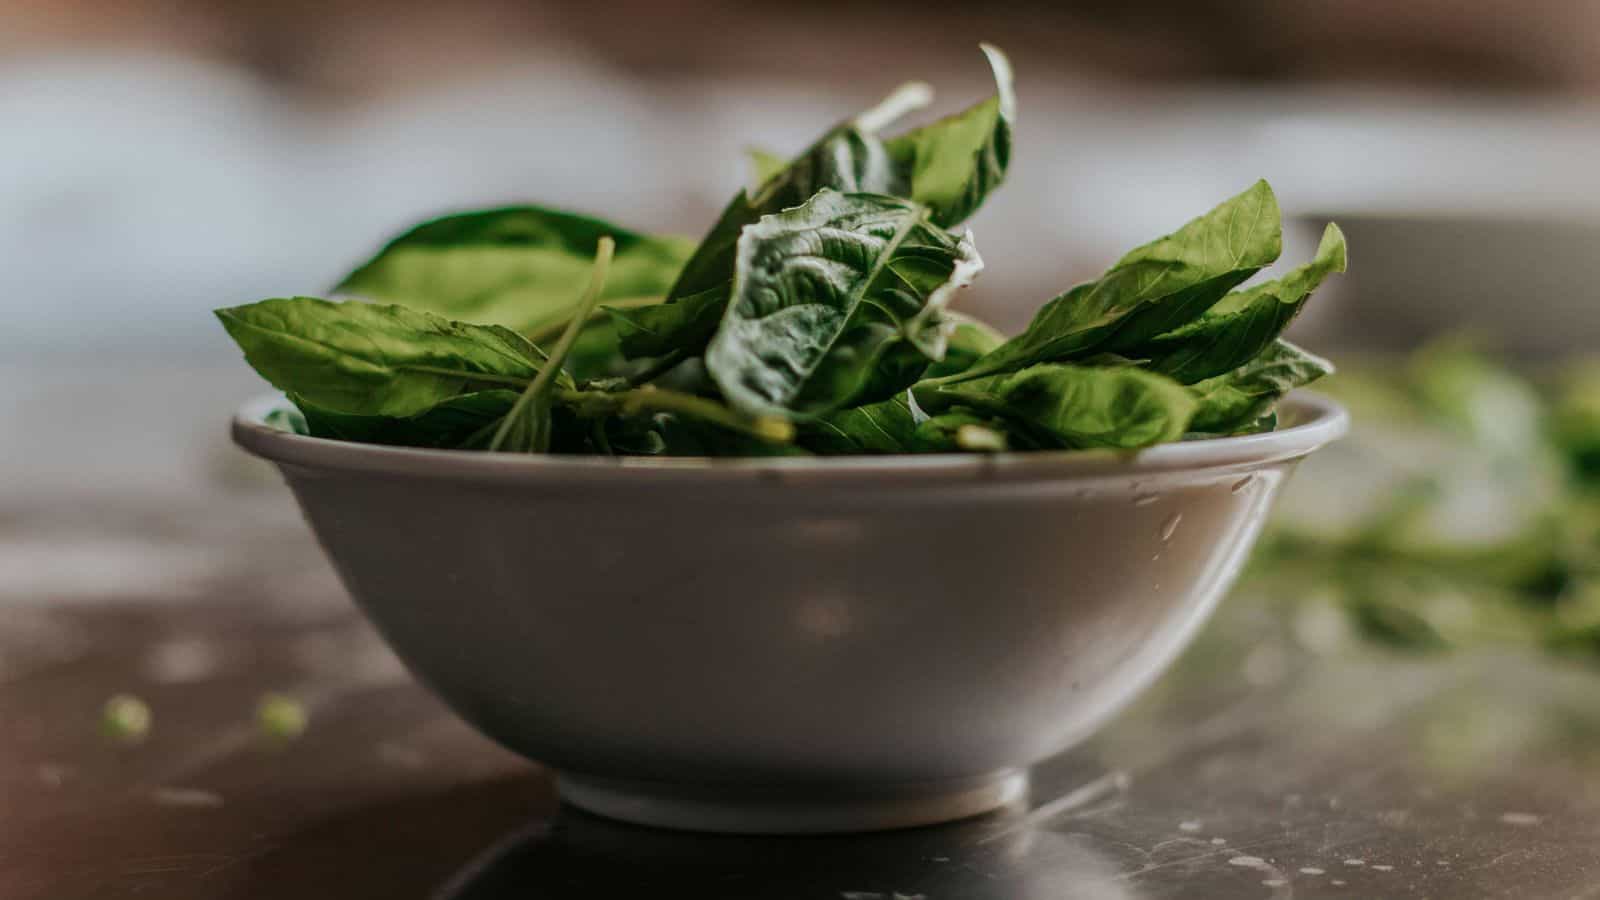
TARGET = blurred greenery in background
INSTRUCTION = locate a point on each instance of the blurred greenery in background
(1464, 508)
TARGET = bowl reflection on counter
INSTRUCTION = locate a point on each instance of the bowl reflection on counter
(992, 858)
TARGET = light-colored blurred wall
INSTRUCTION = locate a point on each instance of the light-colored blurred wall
(162, 159)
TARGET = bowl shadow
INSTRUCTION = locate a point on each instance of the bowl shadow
(995, 857)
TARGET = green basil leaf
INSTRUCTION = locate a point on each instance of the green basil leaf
(887, 426)
(597, 353)
(845, 159)
(686, 435)
(685, 325)
(285, 417)
(1118, 407)
(962, 431)
(519, 266)
(836, 303)
(1266, 423)
(529, 426)
(953, 164)
(461, 422)
(375, 360)
(1575, 418)
(970, 339)
(1231, 402)
(1244, 323)
(1153, 289)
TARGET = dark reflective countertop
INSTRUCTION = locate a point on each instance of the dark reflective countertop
(1259, 767)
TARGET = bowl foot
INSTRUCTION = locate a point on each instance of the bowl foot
(744, 809)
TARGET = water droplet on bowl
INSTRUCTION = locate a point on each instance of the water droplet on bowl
(1242, 483)
(1146, 499)
(1170, 526)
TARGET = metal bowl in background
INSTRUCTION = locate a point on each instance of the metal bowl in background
(789, 645)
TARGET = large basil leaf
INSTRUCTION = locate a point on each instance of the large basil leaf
(375, 360)
(849, 158)
(518, 266)
(844, 159)
(1153, 289)
(461, 422)
(836, 303)
(1118, 407)
(1244, 323)
(952, 165)
(1232, 402)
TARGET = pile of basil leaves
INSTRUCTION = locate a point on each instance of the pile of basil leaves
(813, 318)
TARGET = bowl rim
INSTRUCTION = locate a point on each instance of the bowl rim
(1319, 421)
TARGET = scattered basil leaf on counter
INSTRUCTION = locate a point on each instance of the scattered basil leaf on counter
(126, 719)
(812, 318)
(280, 717)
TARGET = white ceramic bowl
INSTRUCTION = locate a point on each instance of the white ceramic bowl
(789, 645)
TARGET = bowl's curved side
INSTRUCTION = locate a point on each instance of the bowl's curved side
(862, 637)
(735, 632)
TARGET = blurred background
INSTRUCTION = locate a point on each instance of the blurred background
(160, 159)
(164, 158)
